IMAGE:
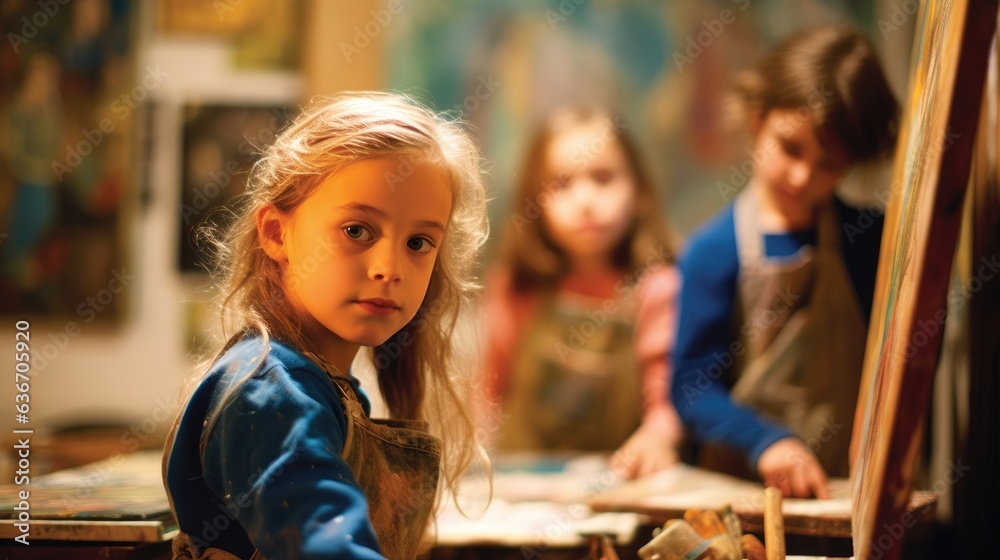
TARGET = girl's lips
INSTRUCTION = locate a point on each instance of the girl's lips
(379, 306)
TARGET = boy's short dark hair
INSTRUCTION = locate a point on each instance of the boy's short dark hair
(833, 74)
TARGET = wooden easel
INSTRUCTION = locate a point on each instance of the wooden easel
(932, 167)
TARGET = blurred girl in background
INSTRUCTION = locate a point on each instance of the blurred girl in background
(580, 307)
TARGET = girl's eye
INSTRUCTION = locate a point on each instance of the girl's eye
(419, 244)
(359, 233)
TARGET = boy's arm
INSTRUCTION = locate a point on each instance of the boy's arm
(705, 349)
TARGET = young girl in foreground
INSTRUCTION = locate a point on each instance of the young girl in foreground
(778, 286)
(580, 308)
(360, 228)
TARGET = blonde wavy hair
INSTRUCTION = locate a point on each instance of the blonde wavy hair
(419, 370)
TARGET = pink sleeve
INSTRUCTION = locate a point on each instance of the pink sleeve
(499, 326)
(655, 329)
(505, 314)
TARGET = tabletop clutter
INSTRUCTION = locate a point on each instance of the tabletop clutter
(708, 535)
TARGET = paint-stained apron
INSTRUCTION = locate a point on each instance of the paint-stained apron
(574, 384)
(395, 462)
(803, 334)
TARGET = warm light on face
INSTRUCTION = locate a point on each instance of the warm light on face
(795, 172)
(362, 247)
(593, 190)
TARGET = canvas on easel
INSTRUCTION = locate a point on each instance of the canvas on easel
(969, 471)
(930, 175)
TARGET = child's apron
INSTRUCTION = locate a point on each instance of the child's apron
(803, 332)
(574, 382)
(395, 462)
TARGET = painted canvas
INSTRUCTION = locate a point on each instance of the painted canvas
(931, 171)
(68, 103)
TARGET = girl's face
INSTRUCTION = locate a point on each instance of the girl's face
(359, 251)
(796, 174)
(593, 194)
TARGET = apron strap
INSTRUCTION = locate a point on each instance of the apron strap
(749, 242)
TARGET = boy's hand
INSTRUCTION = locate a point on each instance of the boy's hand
(792, 468)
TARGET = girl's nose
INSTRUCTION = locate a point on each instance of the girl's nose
(386, 263)
(583, 191)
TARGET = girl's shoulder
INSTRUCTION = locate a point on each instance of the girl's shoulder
(267, 375)
(658, 284)
(252, 356)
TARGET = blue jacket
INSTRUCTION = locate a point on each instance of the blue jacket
(271, 476)
(709, 269)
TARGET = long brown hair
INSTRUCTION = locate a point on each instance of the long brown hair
(531, 257)
(834, 74)
(418, 370)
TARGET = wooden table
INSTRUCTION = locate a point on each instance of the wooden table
(544, 506)
(111, 509)
(820, 527)
(538, 510)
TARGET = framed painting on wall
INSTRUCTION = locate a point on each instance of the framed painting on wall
(261, 34)
(68, 104)
(220, 145)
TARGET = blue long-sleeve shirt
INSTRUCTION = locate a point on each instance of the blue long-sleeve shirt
(709, 268)
(271, 475)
